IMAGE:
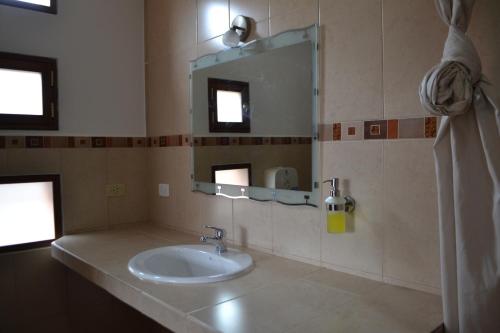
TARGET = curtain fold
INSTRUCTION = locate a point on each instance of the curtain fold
(467, 156)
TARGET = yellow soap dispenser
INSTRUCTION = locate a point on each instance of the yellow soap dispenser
(335, 209)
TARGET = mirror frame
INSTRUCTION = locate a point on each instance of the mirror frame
(286, 197)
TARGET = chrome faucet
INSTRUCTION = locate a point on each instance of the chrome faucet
(217, 239)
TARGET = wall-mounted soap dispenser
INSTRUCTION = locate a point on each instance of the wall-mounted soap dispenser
(336, 208)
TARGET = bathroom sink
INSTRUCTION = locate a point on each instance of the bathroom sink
(188, 264)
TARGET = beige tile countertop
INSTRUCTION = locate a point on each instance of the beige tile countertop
(278, 295)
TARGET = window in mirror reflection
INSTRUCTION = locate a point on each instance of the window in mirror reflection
(232, 174)
(228, 106)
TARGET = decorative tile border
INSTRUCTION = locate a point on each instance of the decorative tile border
(390, 129)
(247, 141)
(169, 141)
(34, 142)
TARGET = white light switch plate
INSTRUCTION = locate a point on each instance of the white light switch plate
(164, 190)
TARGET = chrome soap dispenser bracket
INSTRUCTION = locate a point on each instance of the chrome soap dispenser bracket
(350, 203)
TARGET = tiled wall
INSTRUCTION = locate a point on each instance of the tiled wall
(85, 172)
(373, 56)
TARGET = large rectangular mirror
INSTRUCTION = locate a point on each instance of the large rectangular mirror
(254, 120)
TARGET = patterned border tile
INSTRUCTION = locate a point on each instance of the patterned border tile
(430, 127)
(337, 132)
(250, 141)
(15, 142)
(392, 129)
(98, 142)
(138, 142)
(81, 142)
(35, 142)
(354, 130)
(375, 129)
(412, 128)
(325, 132)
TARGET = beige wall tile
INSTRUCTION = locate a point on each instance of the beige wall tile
(168, 91)
(83, 189)
(253, 224)
(359, 167)
(413, 43)
(257, 10)
(411, 245)
(351, 59)
(484, 31)
(170, 44)
(170, 25)
(164, 211)
(213, 45)
(211, 210)
(159, 112)
(294, 14)
(127, 166)
(259, 30)
(284, 7)
(32, 161)
(296, 231)
(182, 210)
(213, 18)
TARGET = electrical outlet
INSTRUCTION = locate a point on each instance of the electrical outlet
(115, 190)
(164, 190)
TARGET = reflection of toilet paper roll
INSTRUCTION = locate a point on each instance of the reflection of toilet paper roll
(284, 178)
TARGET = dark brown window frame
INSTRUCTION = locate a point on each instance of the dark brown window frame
(56, 192)
(236, 166)
(228, 85)
(52, 9)
(48, 68)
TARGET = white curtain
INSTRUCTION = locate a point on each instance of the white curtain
(467, 155)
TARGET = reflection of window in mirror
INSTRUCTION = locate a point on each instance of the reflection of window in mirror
(232, 174)
(228, 106)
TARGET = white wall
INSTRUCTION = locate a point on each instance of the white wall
(100, 50)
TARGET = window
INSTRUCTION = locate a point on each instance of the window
(228, 106)
(30, 211)
(28, 92)
(47, 6)
(232, 174)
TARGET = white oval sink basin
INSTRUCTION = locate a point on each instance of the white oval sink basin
(187, 264)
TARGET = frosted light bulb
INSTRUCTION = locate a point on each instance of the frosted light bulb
(231, 38)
